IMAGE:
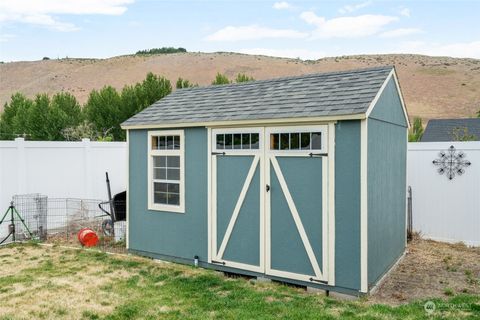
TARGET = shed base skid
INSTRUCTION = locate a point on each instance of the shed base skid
(343, 292)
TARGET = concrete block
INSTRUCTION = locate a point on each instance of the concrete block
(263, 280)
(318, 291)
(342, 296)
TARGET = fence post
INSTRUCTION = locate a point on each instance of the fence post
(87, 179)
(410, 216)
(21, 166)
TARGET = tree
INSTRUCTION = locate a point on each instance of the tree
(153, 88)
(38, 118)
(68, 104)
(103, 110)
(220, 79)
(416, 132)
(462, 134)
(10, 127)
(132, 103)
(84, 130)
(163, 50)
(138, 97)
(242, 77)
(184, 83)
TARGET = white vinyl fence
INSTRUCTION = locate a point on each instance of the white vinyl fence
(60, 169)
(445, 209)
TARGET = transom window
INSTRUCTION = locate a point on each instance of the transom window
(238, 141)
(296, 141)
(166, 171)
(166, 142)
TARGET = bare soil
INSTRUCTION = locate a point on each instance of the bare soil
(433, 87)
(431, 269)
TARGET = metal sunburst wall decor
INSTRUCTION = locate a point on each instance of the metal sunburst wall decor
(451, 162)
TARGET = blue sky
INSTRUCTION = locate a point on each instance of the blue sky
(32, 29)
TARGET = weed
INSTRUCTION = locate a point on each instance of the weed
(448, 291)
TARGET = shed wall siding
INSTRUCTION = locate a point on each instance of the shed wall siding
(386, 176)
(347, 204)
(181, 235)
(389, 106)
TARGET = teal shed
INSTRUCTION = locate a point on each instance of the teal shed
(298, 179)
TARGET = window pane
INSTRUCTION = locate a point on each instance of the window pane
(284, 141)
(173, 161)
(305, 141)
(160, 174)
(160, 187)
(173, 174)
(274, 141)
(169, 142)
(161, 142)
(159, 161)
(220, 141)
(294, 141)
(176, 142)
(160, 197)
(228, 141)
(254, 141)
(245, 141)
(316, 140)
(173, 187)
(237, 141)
(173, 199)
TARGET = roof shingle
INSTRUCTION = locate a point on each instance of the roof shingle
(443, 129)
(311, 95)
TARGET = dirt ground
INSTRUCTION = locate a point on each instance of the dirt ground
(431, 269)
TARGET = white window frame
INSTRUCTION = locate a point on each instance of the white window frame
(323, 129)
(256, 130)
(165, 152)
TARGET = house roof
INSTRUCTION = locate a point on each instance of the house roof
(443, 129)
(310, 95)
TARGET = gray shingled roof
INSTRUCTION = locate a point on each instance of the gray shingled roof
(442, 129)
(311, 95)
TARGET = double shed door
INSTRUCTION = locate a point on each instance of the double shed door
(269, 199)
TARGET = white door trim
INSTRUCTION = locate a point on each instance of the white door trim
(331, 204)
(212, 174)
(263, 154)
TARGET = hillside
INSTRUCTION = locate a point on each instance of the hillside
(434, 87)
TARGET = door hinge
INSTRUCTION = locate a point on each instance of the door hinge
(219, 262)
(317, 154)
(319, 281)
(218, 153)
(267, 187)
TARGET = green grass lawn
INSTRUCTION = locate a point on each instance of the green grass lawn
(52, 282)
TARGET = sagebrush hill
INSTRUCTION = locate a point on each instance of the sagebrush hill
(433, 87)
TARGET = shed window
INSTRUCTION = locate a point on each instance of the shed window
(166, 171)
(311, 140)
(237, 141)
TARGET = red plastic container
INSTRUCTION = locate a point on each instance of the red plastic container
(87, 237)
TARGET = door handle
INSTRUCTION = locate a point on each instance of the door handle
(267, 187)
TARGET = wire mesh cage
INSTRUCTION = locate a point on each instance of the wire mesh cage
(58, 220)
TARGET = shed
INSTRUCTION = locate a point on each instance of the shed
(298, 179)
(452, 130)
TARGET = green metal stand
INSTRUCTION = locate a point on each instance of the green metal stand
(13, 211)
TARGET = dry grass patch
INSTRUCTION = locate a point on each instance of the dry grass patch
(432, 269)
